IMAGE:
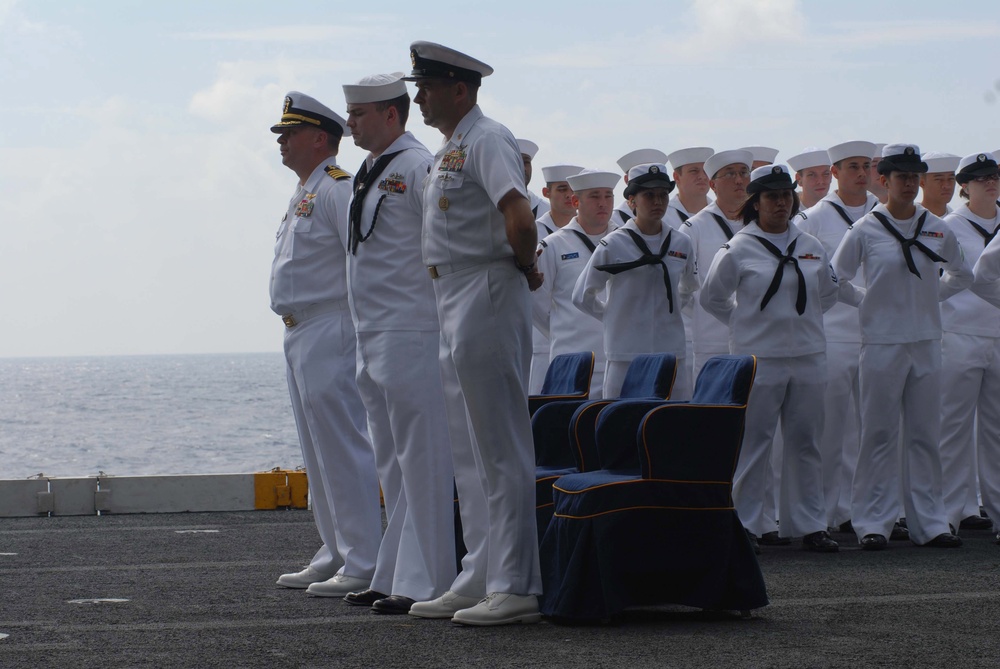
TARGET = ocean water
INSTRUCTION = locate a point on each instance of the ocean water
(139, 415)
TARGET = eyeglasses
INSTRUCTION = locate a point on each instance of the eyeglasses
(987, 178)
(732, 174)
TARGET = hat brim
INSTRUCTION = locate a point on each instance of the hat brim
(648, 184)
(970, 174)
(759, 187)
(888, 164)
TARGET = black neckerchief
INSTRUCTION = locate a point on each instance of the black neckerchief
(586, 241)
(843, 212)
(725, 226)
(625, 217)
(548, 230)
(362, 182)
(684, 217)
(987, 236)
(787, 257)
(647, 258)
(908, 243)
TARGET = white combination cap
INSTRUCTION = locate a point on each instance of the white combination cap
(770, 177)
(901, 158)
(527, 148)
(649, 175)
(375, 88)
(435, 61)
(762, 153)
(587, 179)
(938, 161)
(694, 154)
(641, 157)
(719, 160)
(976, 165)
(301, 109)
(557, 173)
(810, 157)
(855, 149)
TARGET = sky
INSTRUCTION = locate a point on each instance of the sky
(141, 189)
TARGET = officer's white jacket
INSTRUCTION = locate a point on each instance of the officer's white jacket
(707, 333)
(841, 323)
(633, 304)
(966, 312)
(895, 306)
(563, 259)
(472, 172)
(738, 279)
(389, 286)
(309, 255)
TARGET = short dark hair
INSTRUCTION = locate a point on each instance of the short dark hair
(402, 105)
(333, 140)
(749, 214)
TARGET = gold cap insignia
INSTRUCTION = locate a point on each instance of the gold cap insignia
(288, 104)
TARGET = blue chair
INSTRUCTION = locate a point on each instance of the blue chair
(567, 378)
(656, 524)
(564, 431)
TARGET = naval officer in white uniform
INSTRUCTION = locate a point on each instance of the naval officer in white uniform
(902, 246)
(479, 245)
(309, 292)
(399, 377)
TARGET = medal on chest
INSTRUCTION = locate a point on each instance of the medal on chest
(304, 209)
(453, 161)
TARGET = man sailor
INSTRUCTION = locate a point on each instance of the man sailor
(395, 315)
(938, 185)
(564, 254)
(813, 175)
(309, 292)
(692, 184)
(528, 150)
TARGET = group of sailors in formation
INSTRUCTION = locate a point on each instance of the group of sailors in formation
(877, 351)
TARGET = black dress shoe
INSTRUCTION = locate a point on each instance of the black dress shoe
(996, 539)
(846, 527)
(753, 542)
(392, 604)
(899, 533)
(976, 523)
(363, 598)
(873, 542)
(946, 540)
(772, 539)
(820, 542)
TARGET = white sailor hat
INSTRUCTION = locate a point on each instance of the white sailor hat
(435, 61)
(650, 175)
(996, 154)
(810, 157)
(763, 154)
(976, 165)
(300, 109)
(770, 177)
(641, 157)
(853, 149)
(694, 154)
(587, 179)
(878, 150)
(527, 148)
(938, 161)
(901, 158)
(719, 160)
(557, 173)
(375, 88)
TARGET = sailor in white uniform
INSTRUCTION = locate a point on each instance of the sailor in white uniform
(692, 184)
(709, 229)
(762, 155)
(938, 185)
(638, 157)
(770, 285)
(479, 246)
(528, 151)
(813, 175)
(309, 292)
(564, 254)
(561, 211)
(636, 281)
(828, 221)
(901, 246)
(970, 358)
(395, 315)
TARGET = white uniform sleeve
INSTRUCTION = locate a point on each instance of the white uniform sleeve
(846, 262)
(718, 293)
(541, 299)
(987, 274)
(590, 286)
(957, 273)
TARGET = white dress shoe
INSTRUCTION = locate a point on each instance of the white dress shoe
(301, 579)
(444, 606)
(500, 608)
(338, 586)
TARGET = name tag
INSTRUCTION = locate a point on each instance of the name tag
(570, 256)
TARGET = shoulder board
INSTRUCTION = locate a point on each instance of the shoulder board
(337, 173)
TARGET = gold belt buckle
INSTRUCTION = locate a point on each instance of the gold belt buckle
(434, 271)
(289, 321)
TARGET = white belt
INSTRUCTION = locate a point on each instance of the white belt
(438, 271)
(300, 316)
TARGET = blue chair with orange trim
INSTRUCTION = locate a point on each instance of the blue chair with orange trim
(567, 378)
(656, 524)
(564, 431)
